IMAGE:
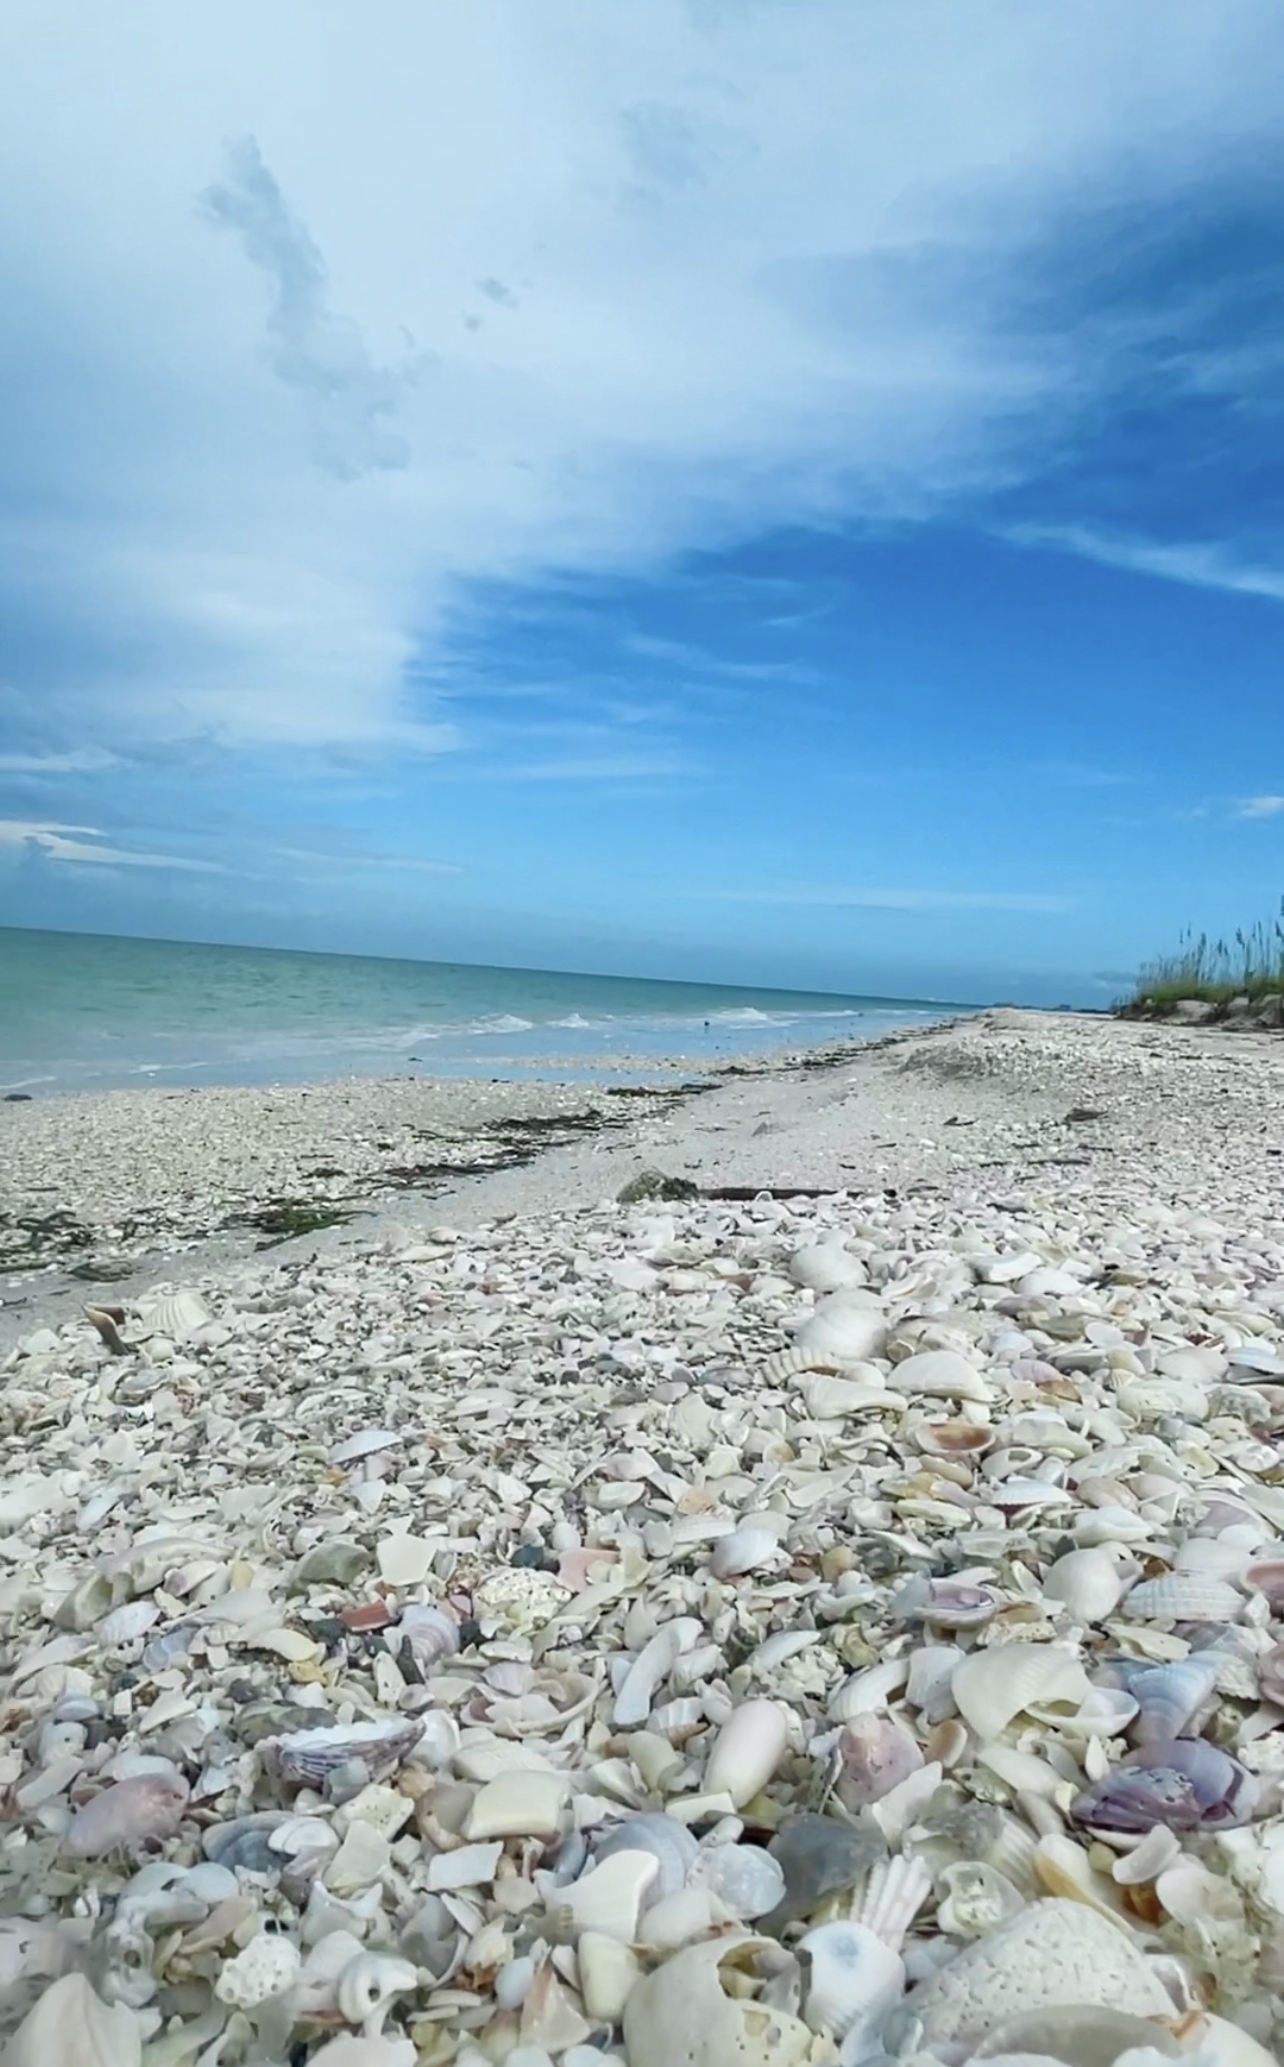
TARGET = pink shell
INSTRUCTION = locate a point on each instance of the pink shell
(127, 1814)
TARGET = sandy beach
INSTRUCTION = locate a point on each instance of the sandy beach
(464, 1632)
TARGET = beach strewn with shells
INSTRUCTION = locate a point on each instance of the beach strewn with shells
(826, 1605)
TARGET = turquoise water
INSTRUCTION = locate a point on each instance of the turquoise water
(89, 1011)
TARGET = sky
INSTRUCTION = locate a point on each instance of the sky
(779, 491)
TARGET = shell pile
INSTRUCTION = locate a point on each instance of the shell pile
(740, 1635)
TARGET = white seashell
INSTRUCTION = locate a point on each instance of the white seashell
(848, 1326)
(365, 1443)
(749, 1747)
(692, 1913)
(669, 1843)
(365, 2052)
(267, 1966)
(176, 1315)
(825, 1267)
(468, 1866)
(744, 1550)
(746, 1880)
(1079, 2035)
(828, 1397)
(939, 1374)
(869, 1690)
(682, 2015)
(1103, 1712)
(1090, 1582)
(518, 1804)
(610, 1897)
(608, 1973)
(992, 1687)
(972, 1898)
(126, 1623)
(1158, 1849)
(1110, 1525)
(71, 2026)
(1063, 1868)
(651, 1668)
(853, 1979)
(369, 1985)
(1184, 1597)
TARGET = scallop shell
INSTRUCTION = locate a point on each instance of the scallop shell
(992, 1687)
(308, 1757)
(126, 1623)
(1170, 1697)
(176, 1315)
(1184, 1597)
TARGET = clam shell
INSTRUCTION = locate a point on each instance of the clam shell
(308, 1757)
(826, 1266)
(992, 1687)
(848, 1326)
(1186, 1784)
(127, 1813)
(744, 1550)
(1090, 1583)
(939, 1374)
(965, 1439)
(749, 1747)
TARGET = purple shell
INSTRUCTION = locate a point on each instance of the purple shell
(1185, 1784)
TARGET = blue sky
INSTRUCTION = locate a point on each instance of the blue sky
(784, 491)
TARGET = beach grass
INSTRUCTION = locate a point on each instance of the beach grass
(1248, 965)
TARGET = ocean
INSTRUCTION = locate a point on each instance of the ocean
(85, 1011)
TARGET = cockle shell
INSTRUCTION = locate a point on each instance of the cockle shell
(749, 1747)
(682, 2015)
(431, 1633)
(71, 2027)
(1184, 1597)
(1171, 1698)
(1185, 1783)
(308, 1757)
(176, 1315)
(991, 1687)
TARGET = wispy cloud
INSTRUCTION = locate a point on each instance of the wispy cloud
(87, 760)
(606, 767)
(1260, 807)
(900, 899)
(83, 846)
(346, 858)
(1198, 563)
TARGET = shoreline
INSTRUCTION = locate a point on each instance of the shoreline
(112, 1192)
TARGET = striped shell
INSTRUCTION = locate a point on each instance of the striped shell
(1184, 1597)
(308, 1757)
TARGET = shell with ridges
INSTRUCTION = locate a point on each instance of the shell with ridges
(992, 1687)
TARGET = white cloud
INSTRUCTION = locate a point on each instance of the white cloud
(1260, 807)
(64, 843)
(84, 760)
(505, 292)
(1201, 564)
(900, 900)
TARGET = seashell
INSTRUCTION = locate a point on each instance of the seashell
(1270, 1675)
(830, 1398)
(652, 1666)
(307, 1758)
(72, 2026)
(848, 1326)
(992, 1687)
(1103, 1712)
(854, 1980)
(1015, 1495)
(1055, 1952)
(244, 1842)
(1062, 1867)
(928, 1687)
(267, 1966)
(826, 1266)
(964, 1439)
(1171, 1698)
(123, 1625)
(1090, 1582)
(1078, 2034)
(518, 1804)
(871, 1688)
(1185, 1783)
(1147, 1860)
(608, 1972)
(746, 1880)
(939, 1374)
(368, 1987)
(127, 1813)
(748, 1748)
(431, 1633)
(611, 1896)
(175, 1315)
(669, 1843)
(348, 2051)
(367, 1442)
(1266, 1575)
(973, 1898)
(819, 1857)
(682, 2015)
(1184, 1597)
(744, 1550)
(952, 1604)
(874, 1755)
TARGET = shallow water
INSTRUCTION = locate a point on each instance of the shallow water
(90, 1011)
